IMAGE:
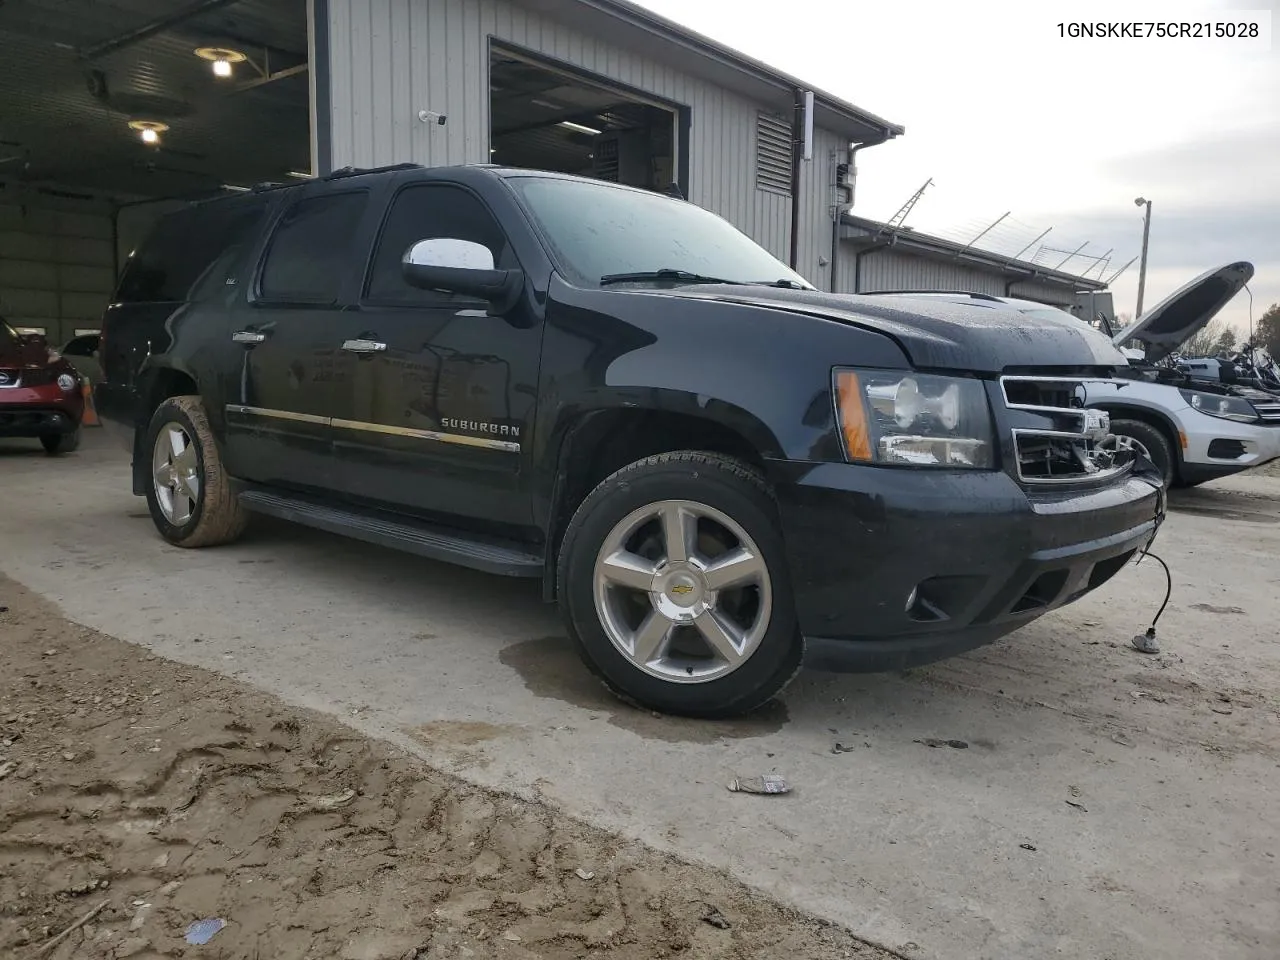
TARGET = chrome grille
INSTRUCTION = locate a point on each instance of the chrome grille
(1268, 410)
(1056, 438)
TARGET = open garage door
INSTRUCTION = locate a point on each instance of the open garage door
(547, 118)
(113, 112)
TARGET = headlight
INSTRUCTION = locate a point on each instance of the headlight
(67, 382)
(1228, 408)
(914, 419)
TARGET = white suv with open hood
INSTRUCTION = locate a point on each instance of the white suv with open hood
(1194, 430)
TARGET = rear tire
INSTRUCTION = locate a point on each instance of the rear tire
(1154, 444)
(674, 587)
(189, 494)
(56, 443)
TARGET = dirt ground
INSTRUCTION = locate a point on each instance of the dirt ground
(151, 795)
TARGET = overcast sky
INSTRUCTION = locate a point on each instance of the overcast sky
(1064, 133)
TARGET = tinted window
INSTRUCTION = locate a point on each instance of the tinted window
(189, 247)
(81, 347)
(596, 230)
(429, 212)
(312, 249)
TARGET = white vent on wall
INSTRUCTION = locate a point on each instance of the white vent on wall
(774, 148)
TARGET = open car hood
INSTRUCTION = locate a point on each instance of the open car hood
(1183, 314)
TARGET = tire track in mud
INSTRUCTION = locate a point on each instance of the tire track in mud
(177, 795)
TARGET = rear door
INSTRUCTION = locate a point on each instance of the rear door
(279, 407)
(436, 398)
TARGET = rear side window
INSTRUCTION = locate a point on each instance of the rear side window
(191, 252)
(312, 250)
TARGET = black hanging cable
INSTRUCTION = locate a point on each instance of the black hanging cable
(1168, 577)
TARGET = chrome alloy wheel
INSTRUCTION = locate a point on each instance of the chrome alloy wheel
(682, 591)
(1132, 445)
(175, 471)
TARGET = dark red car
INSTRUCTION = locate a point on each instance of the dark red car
(41, 394)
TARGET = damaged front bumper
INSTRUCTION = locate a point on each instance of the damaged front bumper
(896, 568)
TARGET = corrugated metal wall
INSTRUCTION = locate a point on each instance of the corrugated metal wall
(897, 270)
(393, 58)
(902, 270)
(1054, 293)
(56, 264)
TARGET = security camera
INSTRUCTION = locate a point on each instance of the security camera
(1139, 202)
(426, 116)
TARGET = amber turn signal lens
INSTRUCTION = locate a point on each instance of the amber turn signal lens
(853, 416)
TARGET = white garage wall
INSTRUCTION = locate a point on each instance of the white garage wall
(56, 262)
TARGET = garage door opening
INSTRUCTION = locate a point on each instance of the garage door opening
(116, 112)
(544, 118)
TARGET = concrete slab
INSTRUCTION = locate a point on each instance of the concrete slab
(1108, 804)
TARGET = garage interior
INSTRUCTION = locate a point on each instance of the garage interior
(114, 111)
(550, 119)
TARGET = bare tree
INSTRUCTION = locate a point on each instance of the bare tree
(1205, 343)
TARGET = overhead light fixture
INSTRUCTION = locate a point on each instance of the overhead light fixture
(221, 59)
(149, 130)
(547, 103)
(570, 125)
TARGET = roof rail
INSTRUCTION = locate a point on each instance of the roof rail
(937, 293)
(345, 172)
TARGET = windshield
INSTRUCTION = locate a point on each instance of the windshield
(598, 230)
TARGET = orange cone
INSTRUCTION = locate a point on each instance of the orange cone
(90, 412)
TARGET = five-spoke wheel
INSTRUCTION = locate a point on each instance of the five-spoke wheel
(682, 591)
(673, 582)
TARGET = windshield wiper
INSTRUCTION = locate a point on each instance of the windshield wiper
(679, 276)
(783, 283)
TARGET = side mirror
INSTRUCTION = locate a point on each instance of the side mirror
(462, 267)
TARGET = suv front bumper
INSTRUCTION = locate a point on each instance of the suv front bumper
(1247, 445)
(893, 568)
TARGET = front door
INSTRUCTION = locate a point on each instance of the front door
(278, 412)
(437, 397)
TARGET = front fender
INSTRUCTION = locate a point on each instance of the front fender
(763, 373)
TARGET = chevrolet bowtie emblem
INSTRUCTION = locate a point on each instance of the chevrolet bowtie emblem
(682, 589)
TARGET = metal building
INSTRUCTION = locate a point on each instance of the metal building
(876, 257)
(601, 87)
(116, 110)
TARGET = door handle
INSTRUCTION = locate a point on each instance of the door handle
(248, 336)
(364, 346)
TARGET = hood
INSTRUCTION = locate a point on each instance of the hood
(1180, 316)
(21, 352)
(937, 333)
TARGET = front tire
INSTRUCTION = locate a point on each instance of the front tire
(674, 587)
(189, 496)
(1152, 443)
(56, 443)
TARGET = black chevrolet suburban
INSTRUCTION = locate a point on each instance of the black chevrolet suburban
(717, 471)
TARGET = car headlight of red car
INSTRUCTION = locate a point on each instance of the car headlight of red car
(67, 383)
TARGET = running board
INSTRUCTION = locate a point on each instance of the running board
(466, 550)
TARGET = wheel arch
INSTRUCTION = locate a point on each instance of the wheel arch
(1154, 418)
(596, 444)
(157, 383)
